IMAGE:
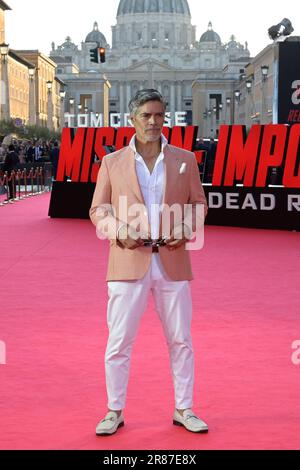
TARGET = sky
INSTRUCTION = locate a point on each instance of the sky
(34, 24)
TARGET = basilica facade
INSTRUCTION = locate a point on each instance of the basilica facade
(154, 45)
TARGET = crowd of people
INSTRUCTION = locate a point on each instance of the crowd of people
(23, 152)
(29, 151)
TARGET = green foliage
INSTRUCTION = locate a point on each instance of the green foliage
(27, 132)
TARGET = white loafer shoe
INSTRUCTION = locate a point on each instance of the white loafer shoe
(190, 421)
(110, 424)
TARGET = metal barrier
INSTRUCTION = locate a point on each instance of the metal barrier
(21, 184)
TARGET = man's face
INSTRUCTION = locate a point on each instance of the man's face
(149, 121)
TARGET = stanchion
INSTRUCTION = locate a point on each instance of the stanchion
(4, 183)
(13, 184)
(12, 189)
(36, 177)
(7, 189)
(25, 182)
(17, 186)
(43, 189)
(31, 178)
(37, 180)
(40, 180)
(21, 177)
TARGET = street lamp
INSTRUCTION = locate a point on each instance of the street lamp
(31, 72)
(62, 95)
(4, 51)
(32, 97)
(49, 86)
(228, 109)
(221, 112)
(5, 98)
(86, 109)
(71, 101)
(249, 85)
(50, 106)
(264, 72)
(79, 108)
(237, 95)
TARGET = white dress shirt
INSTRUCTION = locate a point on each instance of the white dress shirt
(152, 188)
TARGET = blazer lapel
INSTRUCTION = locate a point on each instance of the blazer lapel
(128, 172)
(172, 168)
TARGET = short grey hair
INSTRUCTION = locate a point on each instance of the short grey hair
(142, 97)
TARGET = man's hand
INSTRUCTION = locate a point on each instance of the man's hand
(179, 236)
(129, 238)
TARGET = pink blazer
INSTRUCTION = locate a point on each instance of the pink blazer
(117, 177)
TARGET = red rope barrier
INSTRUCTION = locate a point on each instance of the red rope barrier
(12, 183)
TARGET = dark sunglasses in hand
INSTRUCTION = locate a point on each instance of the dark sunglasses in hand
(155, 243)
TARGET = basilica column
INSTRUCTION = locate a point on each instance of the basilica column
(172, 102)
(129, 96)
(179, 97)
(177, 36)
(121, 97)
(150, 72)
(146, 35)
(161, 37)
(159, 87)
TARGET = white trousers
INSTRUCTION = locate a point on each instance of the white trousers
(126, 305)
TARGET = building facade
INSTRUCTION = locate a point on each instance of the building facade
(30, 91)
(46, 89)
(19, 88)
(154, 45)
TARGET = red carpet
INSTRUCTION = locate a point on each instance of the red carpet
(53, 308)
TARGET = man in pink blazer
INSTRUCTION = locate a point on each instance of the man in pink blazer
(149, 202)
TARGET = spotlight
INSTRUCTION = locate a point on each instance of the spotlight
(284, 28)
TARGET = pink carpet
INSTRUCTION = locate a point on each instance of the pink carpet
(53, 309)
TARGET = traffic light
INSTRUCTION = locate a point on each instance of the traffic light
(94, 55)
(102, 54)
